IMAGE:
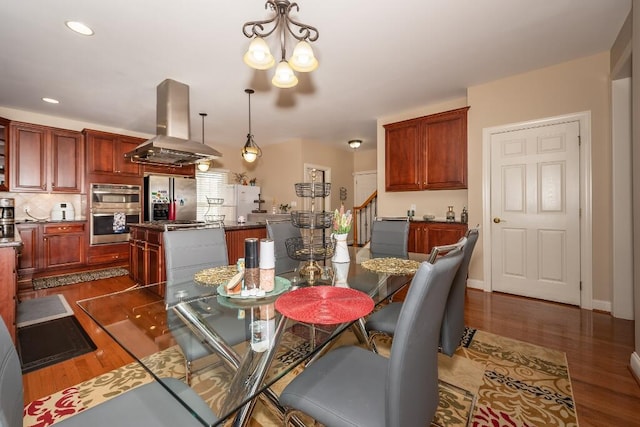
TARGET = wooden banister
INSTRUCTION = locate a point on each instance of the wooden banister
(367, 205)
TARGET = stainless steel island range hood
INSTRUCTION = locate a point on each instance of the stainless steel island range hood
(172, 145)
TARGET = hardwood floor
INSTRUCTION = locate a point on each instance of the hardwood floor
(598, 348)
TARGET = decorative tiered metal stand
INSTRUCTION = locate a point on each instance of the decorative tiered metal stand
(314, 244)
(213, 217)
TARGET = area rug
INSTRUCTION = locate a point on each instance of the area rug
(37, 310)
(70, 279)
(46, 343)
(490, 381)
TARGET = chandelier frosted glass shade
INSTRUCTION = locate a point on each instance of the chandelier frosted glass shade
(303, 59)
(203, 166)
(284, 76)
(258, 55)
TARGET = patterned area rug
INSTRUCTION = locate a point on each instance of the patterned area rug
(490, 381)
(70, 279)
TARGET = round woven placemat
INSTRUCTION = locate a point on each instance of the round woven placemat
(215, 276)
(395, 266)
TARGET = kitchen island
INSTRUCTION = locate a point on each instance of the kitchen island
(146, 253)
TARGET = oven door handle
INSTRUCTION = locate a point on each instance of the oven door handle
(115, 212)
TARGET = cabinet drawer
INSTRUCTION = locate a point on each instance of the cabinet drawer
(105, 254)
(154, 237)
(63, 228)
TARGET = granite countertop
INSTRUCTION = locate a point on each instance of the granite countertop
(47, 221)
(228, 225)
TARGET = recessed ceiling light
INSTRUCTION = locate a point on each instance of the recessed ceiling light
(79, 28)
(51, 100)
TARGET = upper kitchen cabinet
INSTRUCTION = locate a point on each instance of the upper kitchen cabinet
(185, 170)
(4, 154)
(427, 153)
(105, 153)
(45, 159)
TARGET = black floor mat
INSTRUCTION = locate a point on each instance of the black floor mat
(47, 343)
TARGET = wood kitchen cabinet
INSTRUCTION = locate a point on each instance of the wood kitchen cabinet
(424, 235)
(45, 159)
(185, 170)
(8, 288)
(235, 240)
(49, 249)
(427, 153)
(105, 153)
(146, 257)
(63, 245)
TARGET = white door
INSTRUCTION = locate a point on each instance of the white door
(365, 184)
(535, 211)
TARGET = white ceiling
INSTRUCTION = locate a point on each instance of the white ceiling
(376, 58)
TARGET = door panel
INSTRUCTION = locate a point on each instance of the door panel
(535, 211)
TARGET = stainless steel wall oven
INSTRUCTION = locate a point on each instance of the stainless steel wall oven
(113, 208)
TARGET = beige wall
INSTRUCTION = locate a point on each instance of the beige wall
(571, 87)
(365, 159)
(635, 57)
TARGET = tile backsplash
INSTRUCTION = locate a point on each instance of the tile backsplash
(40, 205)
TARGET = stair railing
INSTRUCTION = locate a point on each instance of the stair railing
(363, 217)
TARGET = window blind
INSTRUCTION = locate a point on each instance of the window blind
(210, 184)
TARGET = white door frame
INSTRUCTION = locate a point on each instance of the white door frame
(586, 246)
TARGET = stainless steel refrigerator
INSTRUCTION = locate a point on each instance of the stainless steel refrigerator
(160, 191)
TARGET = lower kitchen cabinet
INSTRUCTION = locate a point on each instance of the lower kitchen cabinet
(8, 287)
(113, 254)
(235, 240)
(50, 249)
(424, 235)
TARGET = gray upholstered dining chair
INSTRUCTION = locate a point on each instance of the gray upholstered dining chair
(279, 232)
(351, 386)
(384, 320)
(390, 238)
(186, 252)
(147, 405)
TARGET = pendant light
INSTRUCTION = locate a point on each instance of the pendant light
(203, 165)
(250, 151)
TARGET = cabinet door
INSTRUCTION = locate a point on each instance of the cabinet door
(28, 259)
(446, 150)
(235, 241)
(8, 289)
(403, 156)
(100, 151)
(444, 234)
(28, 158)
(125, 166)
(67, 160)
(63, 250)
(155, 264)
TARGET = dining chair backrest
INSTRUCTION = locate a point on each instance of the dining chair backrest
(390, 238)
(412, 377)
(11, 390)
(188, 251)
(279, 232)
(453, 320)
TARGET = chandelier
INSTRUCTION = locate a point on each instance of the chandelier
(250, 151)
(258, 55)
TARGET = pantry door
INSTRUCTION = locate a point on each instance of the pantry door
(535, 212)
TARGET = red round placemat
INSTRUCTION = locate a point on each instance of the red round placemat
(326, 305)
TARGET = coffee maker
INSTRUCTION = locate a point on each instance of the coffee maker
(7, 211)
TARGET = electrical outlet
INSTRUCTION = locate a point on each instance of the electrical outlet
(26, 209)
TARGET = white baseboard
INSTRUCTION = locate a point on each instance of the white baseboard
(475, 284)
(635, 365)
(602, 305)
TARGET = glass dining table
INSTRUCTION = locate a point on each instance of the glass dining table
(266, 345)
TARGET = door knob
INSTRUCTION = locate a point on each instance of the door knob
(497, 220)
